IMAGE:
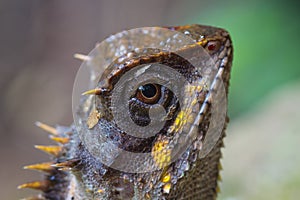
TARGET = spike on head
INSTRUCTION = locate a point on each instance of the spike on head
(46, 167)
(95, 91)
(46, 128)
(61, 140)
(52, 150)
(36, 185)
(67, 165)
(81, 57)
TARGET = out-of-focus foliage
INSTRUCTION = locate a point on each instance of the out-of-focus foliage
(266, 42)
(261, 157)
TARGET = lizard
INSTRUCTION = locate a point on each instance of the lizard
(75, 173)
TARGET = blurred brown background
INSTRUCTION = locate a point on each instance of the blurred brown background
(39, 37)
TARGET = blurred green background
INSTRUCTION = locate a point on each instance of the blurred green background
(39, 37)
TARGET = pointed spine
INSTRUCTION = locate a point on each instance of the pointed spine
(47, 128)
(45, 167)
(67, 165)
(52, 150)
(61, 140)
(95, 91)
(36, 185)
(81, 57)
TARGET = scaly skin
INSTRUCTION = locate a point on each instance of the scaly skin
(75, 173)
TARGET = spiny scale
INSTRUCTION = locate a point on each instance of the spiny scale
(52, 150)
(81, 57)
(45, 167)
(61, 140)
(37, 185)
(69, 164)
(50, 168)
(46, 128)
(95, 91)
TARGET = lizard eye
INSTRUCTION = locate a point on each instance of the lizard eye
(149, 93)
(213, 46)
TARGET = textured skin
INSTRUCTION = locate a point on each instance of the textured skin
(202, 181)
(84, 177)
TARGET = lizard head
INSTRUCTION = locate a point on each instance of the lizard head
(153, 126)
(142, 112)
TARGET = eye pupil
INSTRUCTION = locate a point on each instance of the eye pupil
(148, 90)
(149, 93)
(211, 47)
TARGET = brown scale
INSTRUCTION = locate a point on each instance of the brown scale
(74, 173)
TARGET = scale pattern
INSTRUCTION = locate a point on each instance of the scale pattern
(74, 173)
